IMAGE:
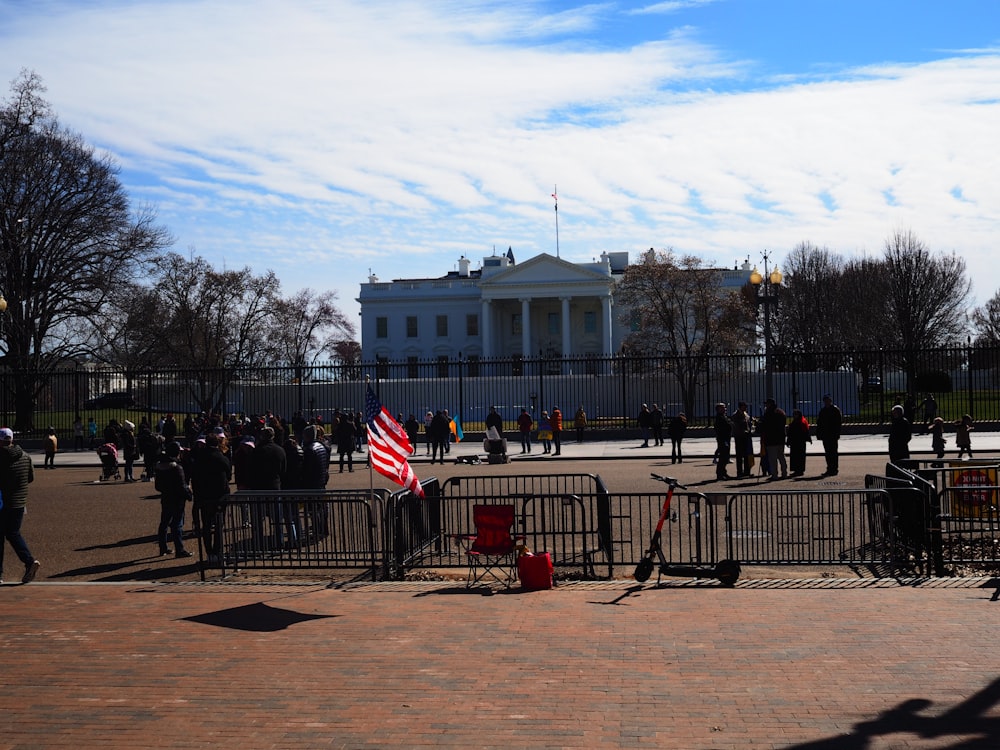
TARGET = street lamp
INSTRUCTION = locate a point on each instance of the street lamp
(766, 294)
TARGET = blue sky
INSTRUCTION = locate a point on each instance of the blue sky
(323, 139)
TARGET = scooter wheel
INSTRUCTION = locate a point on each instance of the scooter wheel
(728, 572)
(643, 570)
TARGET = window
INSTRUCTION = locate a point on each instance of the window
(411, 326)
(515, 324)
(412, 368)
(590, 322)
(442, 365)
(382, 367)
(553, 323)
(381, 328)
(441, 321)
(473, 365)
(472, 325)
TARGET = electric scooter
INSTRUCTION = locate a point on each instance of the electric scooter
(727, 572)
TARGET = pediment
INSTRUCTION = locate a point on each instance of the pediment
(543, 269)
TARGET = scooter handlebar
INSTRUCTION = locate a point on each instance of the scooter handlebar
(669, 481)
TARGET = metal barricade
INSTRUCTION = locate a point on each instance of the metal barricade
(298, 529)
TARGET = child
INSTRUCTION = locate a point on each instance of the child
(51, 446)
(938, 441)
(962, 437)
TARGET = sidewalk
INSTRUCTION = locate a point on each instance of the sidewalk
(767, 664)
(986, 444)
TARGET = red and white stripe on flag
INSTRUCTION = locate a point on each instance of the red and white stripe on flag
(388, 445)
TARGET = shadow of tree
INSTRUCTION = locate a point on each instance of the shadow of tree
(966, 720)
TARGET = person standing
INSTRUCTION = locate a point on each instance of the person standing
(494, 420)
(545, 432)
(828, 426)
(580, 423)
(675, 430)
(346, 440)
(742, 440)
(524, 425)
(51, 448)
(557, 427)
(772, 430)
(899, 435)
(77, 434)
(440, 433)
(172, 485)
(210, 474)
(657, 424)
(428, 418)
(412, 428)
(16, 473)
(129, 449)
(963, 438)
(645, 420)
(723, 439)
(798, 437)
(938, 441)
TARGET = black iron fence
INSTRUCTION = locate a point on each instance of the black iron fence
(931, 520)
(611, 390)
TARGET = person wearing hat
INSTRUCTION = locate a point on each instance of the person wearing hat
(16, 473)
(828, 426)
(129, 447)
(172, 485)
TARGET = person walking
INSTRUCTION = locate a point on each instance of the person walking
(772, 430)
(16, 473)
(900, 433)
(723, 440)
(171, 483)
(798, 438)
(963, 438)
(828, 425)
(524, 425)
(675, 430)
(580, 423)
(557, 428)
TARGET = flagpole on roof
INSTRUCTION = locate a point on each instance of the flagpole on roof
(555, 197)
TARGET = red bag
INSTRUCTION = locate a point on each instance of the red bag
(535, 571)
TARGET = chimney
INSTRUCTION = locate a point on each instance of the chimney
(463, 267)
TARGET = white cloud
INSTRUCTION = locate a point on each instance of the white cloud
(321, 139)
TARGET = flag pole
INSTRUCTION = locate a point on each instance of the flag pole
(555, 197)
(371, 470)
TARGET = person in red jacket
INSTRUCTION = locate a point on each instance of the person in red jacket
(556, 418)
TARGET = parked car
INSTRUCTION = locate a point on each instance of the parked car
(114, 400)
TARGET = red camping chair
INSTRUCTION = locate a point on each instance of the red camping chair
(493, 550)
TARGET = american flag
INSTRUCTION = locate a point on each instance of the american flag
(388, 445)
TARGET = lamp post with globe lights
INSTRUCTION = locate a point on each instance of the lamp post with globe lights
(766, 288)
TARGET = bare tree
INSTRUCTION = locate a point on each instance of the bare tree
(986, 321)
(66, 235)
(307, 327)
(683, 314)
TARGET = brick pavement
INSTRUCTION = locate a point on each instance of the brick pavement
(767, 664)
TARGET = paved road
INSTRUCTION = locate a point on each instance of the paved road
(151, 658)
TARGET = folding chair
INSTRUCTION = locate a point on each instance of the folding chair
(493, 550)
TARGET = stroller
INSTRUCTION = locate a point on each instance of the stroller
(108, 453)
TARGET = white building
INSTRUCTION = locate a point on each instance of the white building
(544, 306)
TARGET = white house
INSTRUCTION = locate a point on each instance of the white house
(544, 306)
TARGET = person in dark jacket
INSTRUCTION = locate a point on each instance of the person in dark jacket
(440, 433)
(347, 440)
(675, 430)
(900, 433)
(829, 422)
(171, 483)
(16, 473)
(210, 475)
(742, 440)
(772, 432)
(798, 437)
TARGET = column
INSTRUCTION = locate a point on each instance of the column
(526, 326)
(486, 328)
(606, 325)
(567, 341)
